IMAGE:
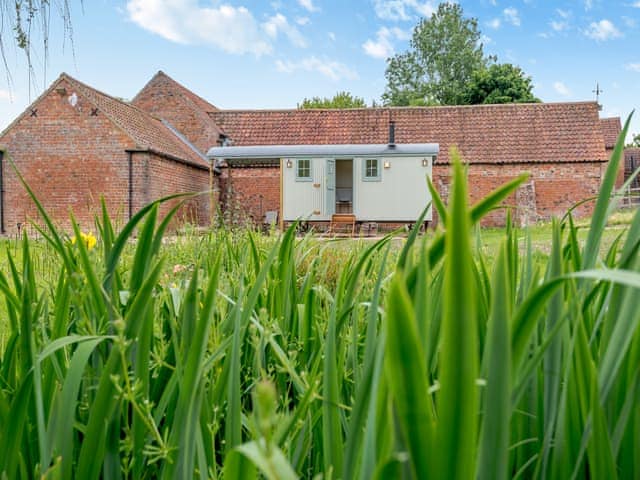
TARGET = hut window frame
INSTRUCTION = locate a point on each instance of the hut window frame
(371, 171)
(303, 170)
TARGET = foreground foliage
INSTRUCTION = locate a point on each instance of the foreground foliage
(292, 357)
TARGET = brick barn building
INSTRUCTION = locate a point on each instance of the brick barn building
(611, 128)
(561, 145)
(75, 144)
(631, 164)
(73, 151)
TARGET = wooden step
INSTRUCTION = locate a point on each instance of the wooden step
(343, 223)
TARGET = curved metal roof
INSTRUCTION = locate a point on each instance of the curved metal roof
(342, 150)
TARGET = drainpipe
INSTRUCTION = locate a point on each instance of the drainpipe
(130, 158)
(2, 231)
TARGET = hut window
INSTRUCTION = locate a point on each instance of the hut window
(303, 170)
(371, 170)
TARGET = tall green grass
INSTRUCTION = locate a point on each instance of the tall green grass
(234, 355)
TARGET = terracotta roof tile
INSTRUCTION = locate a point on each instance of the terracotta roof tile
(178, 87)
(148, 132)
(611, 128)
(514, 133)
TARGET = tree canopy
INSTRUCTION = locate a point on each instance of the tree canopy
(635, 142)
(446, 65)
(339, 100)
(499, 83)
(445, 50)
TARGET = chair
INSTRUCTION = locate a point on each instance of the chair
(270, 220)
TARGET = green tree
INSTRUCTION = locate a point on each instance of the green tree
(499, 83)
(635, 142)
(445, 50)
(339, 100)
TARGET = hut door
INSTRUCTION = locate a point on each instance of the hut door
(330, 183)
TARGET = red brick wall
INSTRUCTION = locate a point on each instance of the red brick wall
(156, 177)
(162, 98)
(247, 193)
(552, 188)
(69, 158)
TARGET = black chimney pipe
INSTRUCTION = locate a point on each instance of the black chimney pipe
(392, 134)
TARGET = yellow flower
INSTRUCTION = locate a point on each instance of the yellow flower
(89, 240)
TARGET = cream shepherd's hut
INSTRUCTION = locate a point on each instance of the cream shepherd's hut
(372, 182)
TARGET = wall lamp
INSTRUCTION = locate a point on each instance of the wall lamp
(289, 163)
(425, 162)
(387, 164)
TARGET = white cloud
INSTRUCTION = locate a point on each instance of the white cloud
(5, 95)
(382, 46)
(302, 21)
(403, 10)
(629, 22)
(486, 39)
(588, 4)
(561, 23)
(633, 67)
(329, 68)
(562, 89)
(512, 16)
(602, 30)
(495, 23)
(278, 23)
(636, 4)
(308, 4)
(228, 28)
(558, 26)
(332, 36)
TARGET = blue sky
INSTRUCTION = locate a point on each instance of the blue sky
(272, 54)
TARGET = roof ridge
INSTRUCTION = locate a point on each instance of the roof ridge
(413, 108)
(111, 97)
(90, 91)
(183, 89)
(141, 142)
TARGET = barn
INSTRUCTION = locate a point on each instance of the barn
(75, 144)
(561, 146)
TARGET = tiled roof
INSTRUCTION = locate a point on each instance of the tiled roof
(147, 131)
(513, 133)
(177, 87)
(611, 128)
(165, 98)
